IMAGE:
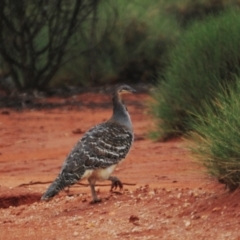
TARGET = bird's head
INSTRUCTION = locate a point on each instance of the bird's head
(123, 89)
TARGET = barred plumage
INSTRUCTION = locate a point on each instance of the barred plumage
(96, 155)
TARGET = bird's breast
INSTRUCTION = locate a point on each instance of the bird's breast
(102, 174)
(87, 173)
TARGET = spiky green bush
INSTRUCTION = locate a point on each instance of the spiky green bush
(216, 136)
(206, 56)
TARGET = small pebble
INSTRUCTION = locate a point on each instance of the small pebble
(75, 234)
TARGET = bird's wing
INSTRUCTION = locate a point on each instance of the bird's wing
(102, 146)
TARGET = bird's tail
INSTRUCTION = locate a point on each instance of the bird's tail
(54, 188)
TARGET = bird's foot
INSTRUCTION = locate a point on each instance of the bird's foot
(115, 183)
(96, 200)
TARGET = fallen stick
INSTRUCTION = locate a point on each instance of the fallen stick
(82, 184)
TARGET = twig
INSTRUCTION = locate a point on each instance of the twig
(82, 184)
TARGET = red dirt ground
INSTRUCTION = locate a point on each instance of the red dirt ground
(166, 194)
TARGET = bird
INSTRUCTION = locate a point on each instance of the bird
(99, 151)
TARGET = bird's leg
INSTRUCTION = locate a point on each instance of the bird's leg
(115, 183)
(94, 194)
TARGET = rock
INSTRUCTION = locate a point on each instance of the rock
(187, 224)
(75, 234)
(133, 219)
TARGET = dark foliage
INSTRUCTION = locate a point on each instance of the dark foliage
(35, 35)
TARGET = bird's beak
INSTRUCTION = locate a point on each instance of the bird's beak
(130, 90)
(133, 90)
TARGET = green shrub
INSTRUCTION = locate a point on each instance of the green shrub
(216, 136)
(187, 11)
(206, 56)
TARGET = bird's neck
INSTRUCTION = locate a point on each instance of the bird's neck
(120, 113)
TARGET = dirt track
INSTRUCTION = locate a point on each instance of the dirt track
(166, 195)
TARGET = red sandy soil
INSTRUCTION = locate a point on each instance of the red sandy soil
(167, 195)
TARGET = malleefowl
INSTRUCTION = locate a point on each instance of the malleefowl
(100, 150)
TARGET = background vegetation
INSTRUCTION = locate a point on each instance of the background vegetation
(35, 36)
(206, 57)
(109, 41)
(132, 51)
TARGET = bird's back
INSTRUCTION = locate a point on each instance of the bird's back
(102, 146)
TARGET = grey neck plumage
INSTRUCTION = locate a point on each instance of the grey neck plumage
(120, 113)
